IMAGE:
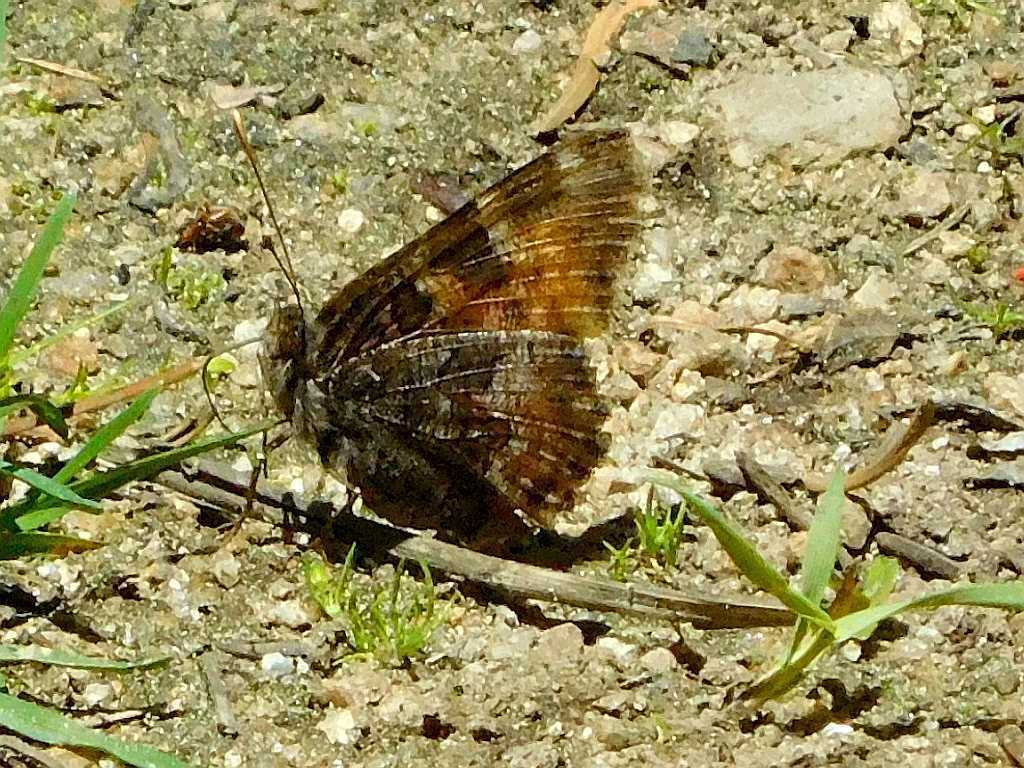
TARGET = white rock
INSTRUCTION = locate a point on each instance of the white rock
(527, 43)
(339, 726)
(651, 279)
(986, 114)
(226, 568)
(678, 134)
(836, 730)
(876, 292)
(290, 613)
(955, 243)
(1005, 391)
(897, 22)
(658, 660)
(819, 114)
(836, 42)
(616, 647)
(678, 419)
(924, 195)
(277, 664)
(351, 220)
(95, 693)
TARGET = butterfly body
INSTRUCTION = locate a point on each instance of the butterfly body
(449, 383)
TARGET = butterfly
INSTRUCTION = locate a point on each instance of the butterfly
(449, 383)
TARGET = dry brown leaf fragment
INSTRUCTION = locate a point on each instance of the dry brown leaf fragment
(231, 97)
(604, 29)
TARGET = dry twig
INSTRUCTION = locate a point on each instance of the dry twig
(216, 484)
(888, 455)
(178, 373)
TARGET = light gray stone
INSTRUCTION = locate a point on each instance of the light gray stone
(814, 116)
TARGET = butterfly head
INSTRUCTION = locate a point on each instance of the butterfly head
(283, 361)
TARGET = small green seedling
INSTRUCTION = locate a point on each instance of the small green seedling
(997, 139)
(219, 368)
(1000, 319)
(192, 286)
(392, 623)
(960, 10)
(656, 541)
(860, 603)
(977, 257)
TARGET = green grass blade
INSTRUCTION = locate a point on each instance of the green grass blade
(746, 557)
(823, 540)
(880, 579)
(100, 484)
(3, 33)
(34, 653)
(50, 727)
(15, 545)
(19, 301)
(1009, 596)
(47, 485)
(105, 435)
(878, 583)
(786, 675)
(38, 519)
(101, 439)
(46, 411)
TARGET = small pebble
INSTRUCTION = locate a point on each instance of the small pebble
(351, 220)
(339, 726)
(693, 47)
(658, 660)
(527, 43)
(616, 647)
(277, 664)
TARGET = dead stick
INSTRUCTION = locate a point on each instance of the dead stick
(895, 445)
(98, 402)
(218, 484)
(210, 664)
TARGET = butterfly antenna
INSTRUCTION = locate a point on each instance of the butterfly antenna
(285, 262)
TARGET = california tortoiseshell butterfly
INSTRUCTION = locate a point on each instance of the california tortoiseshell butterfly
(449, 383)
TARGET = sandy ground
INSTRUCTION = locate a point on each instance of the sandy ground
(833, 174)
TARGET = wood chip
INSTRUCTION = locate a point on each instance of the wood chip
(926, 560)
(210, 663)
(60, 69)
(583, 79)
(232, 97)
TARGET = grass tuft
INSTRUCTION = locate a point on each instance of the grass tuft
(658, 534)
(392, 623)
(23, 523)
(861, 600)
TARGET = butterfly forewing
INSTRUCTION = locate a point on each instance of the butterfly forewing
(450, 380)
(536, 251)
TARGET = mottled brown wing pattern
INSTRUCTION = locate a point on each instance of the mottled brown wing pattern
(536, 251)
(517, 407)
(451, 375)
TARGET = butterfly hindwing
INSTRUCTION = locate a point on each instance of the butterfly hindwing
(516, 409)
